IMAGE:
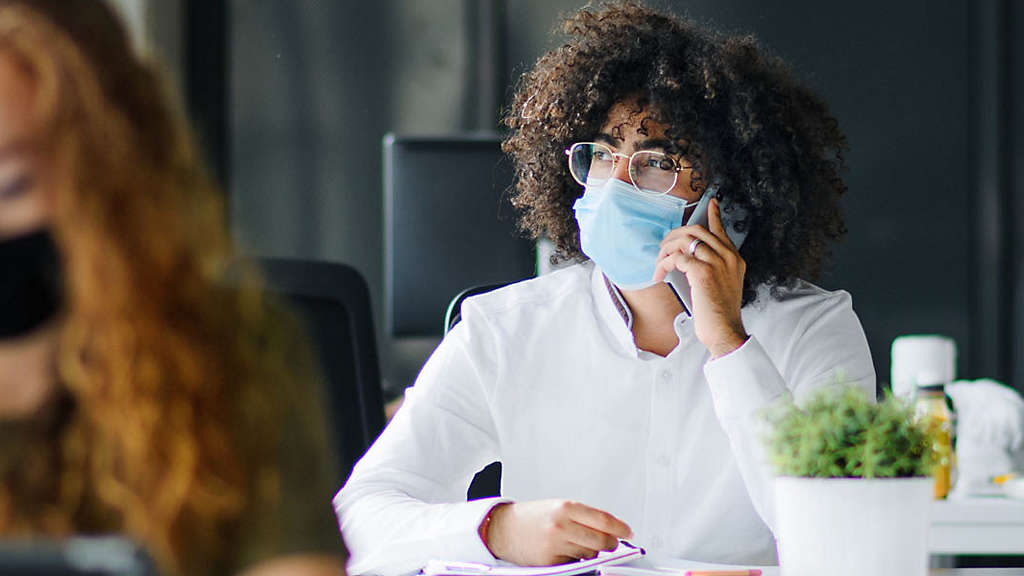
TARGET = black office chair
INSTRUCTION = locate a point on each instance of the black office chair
(487, 482)
(454, 312)
(333, 302)
(429, 251)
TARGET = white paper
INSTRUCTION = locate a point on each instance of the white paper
(623, 553)
(661, 566)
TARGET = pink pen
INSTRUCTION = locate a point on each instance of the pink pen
(751, 572)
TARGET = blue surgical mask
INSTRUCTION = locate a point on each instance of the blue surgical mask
(621, 229)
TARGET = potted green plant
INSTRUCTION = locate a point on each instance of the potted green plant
(854, 485)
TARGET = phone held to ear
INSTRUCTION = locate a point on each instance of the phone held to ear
(676, 279)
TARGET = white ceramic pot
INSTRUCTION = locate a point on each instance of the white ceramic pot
(852, 526)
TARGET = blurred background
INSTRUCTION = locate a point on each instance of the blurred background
(292, 99)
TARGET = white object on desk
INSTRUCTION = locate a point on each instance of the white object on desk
(990, 434)
(977, 526)
(1014, 488)
(919, 360)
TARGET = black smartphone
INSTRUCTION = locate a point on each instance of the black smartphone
(676, 279)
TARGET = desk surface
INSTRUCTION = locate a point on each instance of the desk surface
(977, 526)
(679, 568)
(982, 526)
(977, 572)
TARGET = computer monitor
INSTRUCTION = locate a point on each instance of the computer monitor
(449, 225)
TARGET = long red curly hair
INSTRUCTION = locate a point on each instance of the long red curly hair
(169, 371)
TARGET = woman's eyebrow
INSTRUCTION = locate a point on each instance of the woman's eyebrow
(607, 139)
(652, 144)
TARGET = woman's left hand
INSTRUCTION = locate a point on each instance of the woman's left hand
(715, 272)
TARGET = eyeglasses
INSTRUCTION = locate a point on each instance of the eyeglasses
(653, 173)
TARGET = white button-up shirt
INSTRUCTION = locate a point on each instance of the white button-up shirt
(545, 376)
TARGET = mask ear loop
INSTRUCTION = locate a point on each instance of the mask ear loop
(522, 113)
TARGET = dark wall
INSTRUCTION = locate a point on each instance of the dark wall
(1011, 33)
(315, 85)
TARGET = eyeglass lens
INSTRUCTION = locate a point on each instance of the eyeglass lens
(651, 171)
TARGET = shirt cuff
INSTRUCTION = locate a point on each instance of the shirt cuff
(470, 514)
(743, 381)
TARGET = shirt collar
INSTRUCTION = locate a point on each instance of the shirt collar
(617, 317)
(613, 312)
(620, 303)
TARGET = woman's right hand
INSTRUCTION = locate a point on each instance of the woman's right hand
(546, 532)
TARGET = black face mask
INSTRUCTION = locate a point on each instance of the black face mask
(31, 287)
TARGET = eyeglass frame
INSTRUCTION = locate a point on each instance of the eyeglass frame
(629, 162)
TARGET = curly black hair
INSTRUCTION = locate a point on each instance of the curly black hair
(735, 111)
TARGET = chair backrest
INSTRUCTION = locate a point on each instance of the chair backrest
(487, 482)
(333, 302)
(448, 224)
(453, 314)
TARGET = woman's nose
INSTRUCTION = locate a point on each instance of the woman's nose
(621, 170)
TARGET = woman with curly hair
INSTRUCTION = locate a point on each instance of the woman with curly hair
(621, 406)
(143, 393)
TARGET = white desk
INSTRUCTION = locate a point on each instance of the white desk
(982, 526)
(977, 526)
(679, 567)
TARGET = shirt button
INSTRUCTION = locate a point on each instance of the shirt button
(666, 376)
(663, 461)
(656, 542)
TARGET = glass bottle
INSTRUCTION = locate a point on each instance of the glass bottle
(931, 404)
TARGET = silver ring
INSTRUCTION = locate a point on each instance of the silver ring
(693, 247)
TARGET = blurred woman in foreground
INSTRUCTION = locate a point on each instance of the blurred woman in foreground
(139, 393)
